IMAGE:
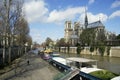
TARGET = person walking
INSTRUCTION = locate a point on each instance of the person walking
(28, 62)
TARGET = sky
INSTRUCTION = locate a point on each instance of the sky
(46, 18)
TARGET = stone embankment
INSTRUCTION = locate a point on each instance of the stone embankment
(114, 51)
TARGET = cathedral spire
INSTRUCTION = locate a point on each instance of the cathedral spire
(86, 19)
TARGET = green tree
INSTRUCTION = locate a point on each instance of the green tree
(108, 50)
(79, 49)
(101, 36)
(88, 36)
(118, 36)
(101, 50)
(92, 49)
(57, 45)
(47, 41)
(68, 48)
(61, 42)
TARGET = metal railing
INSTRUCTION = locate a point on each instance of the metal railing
(16, 52)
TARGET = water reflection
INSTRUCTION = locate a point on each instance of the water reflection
(108, 63)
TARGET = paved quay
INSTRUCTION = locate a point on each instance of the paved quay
(38, 69)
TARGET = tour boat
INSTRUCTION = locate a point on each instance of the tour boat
(87, 66)
(83, 63)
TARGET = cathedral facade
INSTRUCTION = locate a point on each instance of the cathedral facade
(72, 32)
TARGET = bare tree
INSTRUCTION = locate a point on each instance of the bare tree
(10, 12)
(22, 30)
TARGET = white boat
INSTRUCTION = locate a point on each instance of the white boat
(85, 64)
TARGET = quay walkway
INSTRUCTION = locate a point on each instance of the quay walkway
(37, 69)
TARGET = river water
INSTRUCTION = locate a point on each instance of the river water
(109, 63)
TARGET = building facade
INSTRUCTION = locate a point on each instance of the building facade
(68, 31)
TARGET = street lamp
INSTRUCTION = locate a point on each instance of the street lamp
(26, 44)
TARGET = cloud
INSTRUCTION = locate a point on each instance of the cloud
(93, 18)
(37, 34)
(115, 4)
(35, 10)
(115, 14)
(91, 1)
(60, 15)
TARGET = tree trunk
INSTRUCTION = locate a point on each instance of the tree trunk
(3, 55)
(9, 55)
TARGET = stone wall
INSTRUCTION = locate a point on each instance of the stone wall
(114, 52)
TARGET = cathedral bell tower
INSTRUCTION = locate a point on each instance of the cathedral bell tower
(68, 30)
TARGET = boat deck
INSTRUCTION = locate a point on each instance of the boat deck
(70, 75)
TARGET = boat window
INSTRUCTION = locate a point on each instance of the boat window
(86, 65)
(77, 64)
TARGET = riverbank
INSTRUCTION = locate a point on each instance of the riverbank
(12, 66)
(113, 52)
(37, 69)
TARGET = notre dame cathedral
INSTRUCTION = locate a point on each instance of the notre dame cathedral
(73, 31)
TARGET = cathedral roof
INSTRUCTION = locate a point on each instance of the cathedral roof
(95, 24)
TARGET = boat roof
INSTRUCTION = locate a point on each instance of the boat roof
(81, 60)
(116, 78)
(60, 60)
(89, 70)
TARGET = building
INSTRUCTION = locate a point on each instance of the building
(73, 31)
(68, 31)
